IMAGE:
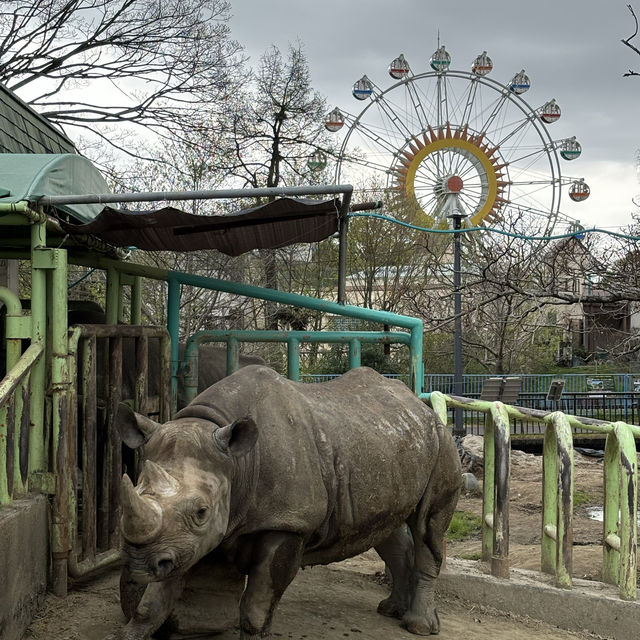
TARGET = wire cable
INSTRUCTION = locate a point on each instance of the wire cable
(510, 234)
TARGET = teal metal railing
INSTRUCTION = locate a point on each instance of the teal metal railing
(176, 279)
(293, 340)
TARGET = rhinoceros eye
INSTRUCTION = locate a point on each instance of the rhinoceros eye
(201, 514)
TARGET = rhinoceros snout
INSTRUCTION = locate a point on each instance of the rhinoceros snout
(162, 565)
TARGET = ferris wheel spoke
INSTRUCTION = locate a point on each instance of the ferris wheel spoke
(376, 138)
(365, 162)
(493, 114)
(418, 107)
(393, 117)
(516, 130)
(530, 155)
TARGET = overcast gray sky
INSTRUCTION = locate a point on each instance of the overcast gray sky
(571, 50)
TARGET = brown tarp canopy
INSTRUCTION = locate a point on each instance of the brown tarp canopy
(276, 224)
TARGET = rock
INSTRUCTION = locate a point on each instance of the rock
(471, 450)
(470, 484)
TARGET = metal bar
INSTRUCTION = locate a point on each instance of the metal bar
(355, 353)
(136, 301)
(293, 359)
(343, 229)
(297, 300)
(233, 356)
(113, 296)
(205, 194)
(458, 428)
(173, 327)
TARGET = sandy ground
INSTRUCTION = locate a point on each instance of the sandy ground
(339, 601)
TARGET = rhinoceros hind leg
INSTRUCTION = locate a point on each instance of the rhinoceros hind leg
(429, 524)
(397, 553)
(275, 560)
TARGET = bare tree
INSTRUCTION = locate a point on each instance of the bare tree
(94, 64)
(276, 124)
(627, 42)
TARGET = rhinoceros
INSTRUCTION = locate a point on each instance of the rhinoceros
(271, 475)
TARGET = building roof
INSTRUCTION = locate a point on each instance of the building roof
(24, 130)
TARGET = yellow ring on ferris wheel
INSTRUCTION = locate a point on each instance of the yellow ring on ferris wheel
(469, 147)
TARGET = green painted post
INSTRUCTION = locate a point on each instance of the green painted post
(621, 501)
(557, 500)
(488, 487)
(233, 355)
(37, 447)
(60, 385)
(611, 554)
(628, 491)
(136, 300)
(355, 353)
(113, 296)
(173, 327)
(15, 329)
(293, 359)
(502, 469)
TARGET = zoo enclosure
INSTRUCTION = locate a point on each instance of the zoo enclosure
(43, 457)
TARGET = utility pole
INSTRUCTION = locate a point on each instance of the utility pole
(452, 187)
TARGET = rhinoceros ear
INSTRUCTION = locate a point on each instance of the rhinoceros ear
(134, 428)
(237, 438)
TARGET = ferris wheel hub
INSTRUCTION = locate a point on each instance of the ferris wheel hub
(454, 184)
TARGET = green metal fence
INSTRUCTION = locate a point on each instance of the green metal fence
(620, 534)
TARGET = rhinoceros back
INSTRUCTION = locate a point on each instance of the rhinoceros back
(342, 462)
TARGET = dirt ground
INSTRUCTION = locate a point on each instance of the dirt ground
(339, 601)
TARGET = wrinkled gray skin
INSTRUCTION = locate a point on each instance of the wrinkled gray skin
(279, 474)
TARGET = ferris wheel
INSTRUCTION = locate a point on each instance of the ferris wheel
(446, 139)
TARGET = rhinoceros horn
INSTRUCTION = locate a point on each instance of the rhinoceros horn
(141, 517)
(161, 482)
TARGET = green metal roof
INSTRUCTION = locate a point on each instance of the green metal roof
(24, 176)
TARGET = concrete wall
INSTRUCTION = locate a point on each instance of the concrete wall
(24, 556)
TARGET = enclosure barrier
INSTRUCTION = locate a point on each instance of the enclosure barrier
(177, 279)
(620, 527)
(15, 400)
(293, 339)
(95, 454)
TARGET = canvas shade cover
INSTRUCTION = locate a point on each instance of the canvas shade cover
(277, 224)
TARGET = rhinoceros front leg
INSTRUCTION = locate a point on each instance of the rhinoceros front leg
(272, 563)
(153, 609)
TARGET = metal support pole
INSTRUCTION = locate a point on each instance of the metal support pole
(458, 426)
(343, 228)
